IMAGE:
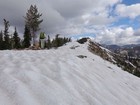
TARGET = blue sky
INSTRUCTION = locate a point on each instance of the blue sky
(125, 22)
(129, 2)
(106, 21)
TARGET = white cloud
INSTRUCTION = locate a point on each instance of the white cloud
(131, 11)
(71, 17)
(137, 32)
(117, 35)
(59, 15)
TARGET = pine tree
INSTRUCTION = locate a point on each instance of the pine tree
(48, 43)
(55, 42)
(1, 40)
(16, 39)
(27, 37)
(6, 35)
(32, 21)
(59, 41)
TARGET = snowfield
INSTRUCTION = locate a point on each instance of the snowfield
(59, 77)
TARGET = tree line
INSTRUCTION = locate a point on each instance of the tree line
(8, 41)
(32, 22)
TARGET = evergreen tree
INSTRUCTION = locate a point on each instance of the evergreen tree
(16, 39)
(1, 40)
(27, 37)
(59, 41)
(32, 21)
(48, 43)
(55, 42)
(6, 35)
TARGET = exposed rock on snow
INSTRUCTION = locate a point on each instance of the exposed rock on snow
(113, 58)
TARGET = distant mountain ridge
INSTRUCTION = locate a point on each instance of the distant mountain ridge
(132, 49)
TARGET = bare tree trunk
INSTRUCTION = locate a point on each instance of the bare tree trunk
(34, 38)
(31, 41)
(34, 42)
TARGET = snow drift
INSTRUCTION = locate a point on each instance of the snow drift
(70, 75)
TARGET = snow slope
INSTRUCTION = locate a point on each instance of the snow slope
(59, 77)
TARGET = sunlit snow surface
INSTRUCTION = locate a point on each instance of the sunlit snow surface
(59, 77)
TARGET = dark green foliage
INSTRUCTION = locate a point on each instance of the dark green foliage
(83, 40)
(1, 41)
(32, 21)
(6, 35)
(27, 37)
(48, 44)
(16, 40)
(56, 42)
(59, 41)
(137, 72)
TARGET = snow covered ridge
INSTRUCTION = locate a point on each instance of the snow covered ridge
(70, 75)
(114, 58)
